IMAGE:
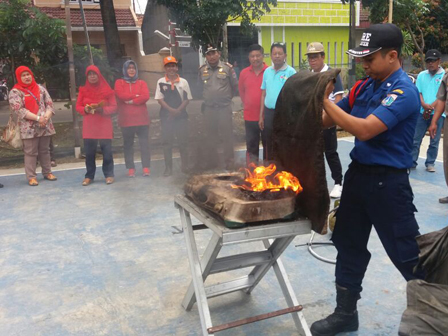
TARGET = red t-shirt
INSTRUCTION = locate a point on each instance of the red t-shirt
(249, 86)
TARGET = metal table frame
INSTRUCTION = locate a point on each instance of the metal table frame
(275, 237)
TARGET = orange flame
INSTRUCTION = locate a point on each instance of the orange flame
(261, 179)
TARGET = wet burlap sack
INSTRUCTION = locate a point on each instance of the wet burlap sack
(298, 142)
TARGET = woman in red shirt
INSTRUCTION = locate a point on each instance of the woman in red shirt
(96, 103)
(133, 118)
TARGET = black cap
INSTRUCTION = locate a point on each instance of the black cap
(433, 54)
(210, 47)
(377, 37)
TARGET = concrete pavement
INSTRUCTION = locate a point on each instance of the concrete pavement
(103, 260)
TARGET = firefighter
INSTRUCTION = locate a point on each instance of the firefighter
(381, 112)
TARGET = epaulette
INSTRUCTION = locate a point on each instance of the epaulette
(203, 65)
(229, 65)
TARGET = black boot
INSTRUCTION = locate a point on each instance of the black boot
(344, 318)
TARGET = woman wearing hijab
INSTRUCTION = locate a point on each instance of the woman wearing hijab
(34, 108)
(133, 118)
(96, 103)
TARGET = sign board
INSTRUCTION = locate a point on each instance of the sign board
(183, 44)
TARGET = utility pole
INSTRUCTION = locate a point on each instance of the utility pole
(391, 10)
(351, 42)
(81, 8)
(71, 63)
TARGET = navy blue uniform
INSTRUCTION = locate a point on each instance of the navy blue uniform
(376, 186)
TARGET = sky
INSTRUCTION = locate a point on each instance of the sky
(140, 6)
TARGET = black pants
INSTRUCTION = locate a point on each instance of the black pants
(266, 134)
(253, 135)
(381, 198)
(90, 146)
(175, 128)
(218, 122)
(331, 154)
(142, 133)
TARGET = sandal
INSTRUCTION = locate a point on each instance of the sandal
(50, 177)
(87, 181)
(33, 182)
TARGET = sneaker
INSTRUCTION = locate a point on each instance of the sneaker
(431, 169)
(337, 191)
(131, 172)
(146, 172)
(443, 200)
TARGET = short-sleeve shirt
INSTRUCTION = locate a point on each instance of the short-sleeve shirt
(428, 85)
(173, 96)
(338, 88)
(250, 92)
(396, 102)
(442, 94)
(273, 82)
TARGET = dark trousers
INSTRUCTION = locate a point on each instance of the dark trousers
(266, 134)
(218, 121)
(175, 128)
(331, 154)
(142, 133)
(90, 146)
(382, 199)
(253, 135)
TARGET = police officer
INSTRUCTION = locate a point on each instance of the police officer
(219, 86)
(382, 117)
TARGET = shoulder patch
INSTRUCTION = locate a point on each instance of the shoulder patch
(203, 65)
(398, 91)
(228, 64)
(388, 101)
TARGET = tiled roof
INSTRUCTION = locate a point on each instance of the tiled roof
(364, 17)
(93, 16)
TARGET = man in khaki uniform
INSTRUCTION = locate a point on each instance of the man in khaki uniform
(442, 105)
(219, 83)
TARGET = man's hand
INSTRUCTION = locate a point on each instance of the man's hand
(432, 130)
(261, 124)
(427, 107)
(329, 89)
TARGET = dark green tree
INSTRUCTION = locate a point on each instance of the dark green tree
(111, 35)
(29, 37)
(204, 19)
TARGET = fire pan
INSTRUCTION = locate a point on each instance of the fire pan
(237, 207)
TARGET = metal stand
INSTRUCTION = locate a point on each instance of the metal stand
(275, 237)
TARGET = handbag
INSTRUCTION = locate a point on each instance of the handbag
(11, 134)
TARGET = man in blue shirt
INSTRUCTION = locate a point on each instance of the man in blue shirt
(376, 189)
(274, 78)
(428, 83)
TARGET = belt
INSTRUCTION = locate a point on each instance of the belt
(377, 169)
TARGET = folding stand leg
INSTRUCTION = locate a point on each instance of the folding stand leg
(288, 292)
(208, 258)
(196, 272)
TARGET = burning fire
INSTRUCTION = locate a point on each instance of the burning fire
(261, 179)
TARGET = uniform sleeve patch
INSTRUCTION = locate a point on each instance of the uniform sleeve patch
(389, 100)
(398, 91)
